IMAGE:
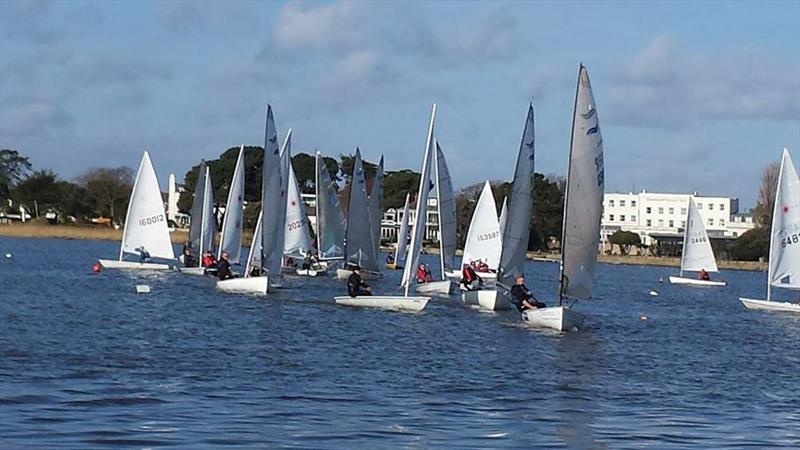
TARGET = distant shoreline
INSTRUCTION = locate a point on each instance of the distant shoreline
(100, 233)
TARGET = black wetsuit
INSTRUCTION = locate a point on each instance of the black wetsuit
(224, 269)
(355, 286)
(520, 292)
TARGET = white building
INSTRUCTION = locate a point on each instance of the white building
(390, 224)
(649, 213)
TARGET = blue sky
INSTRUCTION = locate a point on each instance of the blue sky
(691, 96)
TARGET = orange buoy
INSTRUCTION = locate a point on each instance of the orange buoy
(96, 268)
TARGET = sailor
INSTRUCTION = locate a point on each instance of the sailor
(423, 274)
(188, 259)
(355, 286)
(523, 297)
(390, 259)
(703, 275)
(224, 267)
(306, 261)
(470, 279)
(144, 255)
(209, 262)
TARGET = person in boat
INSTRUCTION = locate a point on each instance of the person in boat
(390, 259)
(470, 278)
(144, 255)
(209, 262)
(255, 271)
(224, 267)
(188, 259)
(523, 297)
(306, 261)
(703, 275)
(356, 286)
(424, 274)
(481, 266)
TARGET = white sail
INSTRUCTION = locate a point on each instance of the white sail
(402, 236)
(784, 252)
(285, 163)
(231, 237)
(446, 206)
(503, 215)
(422, 205)
(203, 226)
(297, 240)
(584, 197)
(330, 219)
(516, 231)
(146, 221)
(376, 209)
(483, 237)
(254, 258)
(697, 252)
(273, 202)
(358, 244)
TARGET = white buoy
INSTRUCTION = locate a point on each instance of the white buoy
(653, 293)
(142, 289)
(8, 255)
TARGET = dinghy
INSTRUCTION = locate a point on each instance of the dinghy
(446, 217)
(697, 254)
(395, 302)
(402, 239)
(203, 226)
(515, 236)
(784, 244)
(248, 284)
(297, 239)
(145, 224)
(330, 219)
(583, 207)
(484, 241)
(359, 245)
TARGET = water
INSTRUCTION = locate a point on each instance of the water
(86, 362)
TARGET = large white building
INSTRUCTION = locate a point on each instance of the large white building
(650, 213)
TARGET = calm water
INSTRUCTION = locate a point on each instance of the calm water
(86, 362)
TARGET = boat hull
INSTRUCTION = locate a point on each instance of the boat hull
(393, 267)
(440, 288)
(767, 305)
(695, 282)
(391, 303)
(487, 299)
(310, 272)
(196, 270)
(344, 274)
(130, 265)
(558, 318)
(250, 285)
(457, 275)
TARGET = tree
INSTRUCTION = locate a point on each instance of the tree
(40, 187)
(766, 194)
(396, 185)
(752, 245)
(625, 239)
(221, 170)
(13, 169)
(346, 166)
(109, 189)
(305, 169)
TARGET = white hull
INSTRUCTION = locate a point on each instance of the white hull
(440, 288)
(558, 318)
(485, 299)
(695, 282)
(456, 274)
(344, 274)
(766, 305)
(310, 272)
(251, 285)
(130, 265)
(194, 270)
(392, 303)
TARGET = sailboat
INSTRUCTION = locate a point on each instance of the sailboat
(376, 209)
(484, 240)
(230, 240)
(446, 218)
(402, 240)
(784, 243)
(269, 225)
(404, 302)
(697, 253)
(297, 239)
(203, 227)
(515, 236)
(359, 246)
(330, 219)
(583, 207)
(145, 223)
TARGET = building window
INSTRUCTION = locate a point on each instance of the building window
(683, 211)
(710, 206)
(648, 210)
(710, 222)
(672, 210)
(683, 224)
(633, 218)
(611, 202)
(722, 222)
(622, 217)
(610, 217)
(649, 222)
(661, 222)
(633, 202)
(661, 210)
(722, 206)
(622, 203)
(672, 224)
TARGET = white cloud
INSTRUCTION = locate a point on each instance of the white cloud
(332, 26)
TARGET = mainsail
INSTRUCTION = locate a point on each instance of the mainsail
(584, 196)
(297, 240)
(784, 251)
(203, 226)
(503, 215)
(376, 209)
(446, 206)
(146, 221)
(358, 244)
(231, 237)
(273, 202)
(697, 253)
(483, 237)
(402, 235)
(330, 219)
(516, 231)
(422, 206)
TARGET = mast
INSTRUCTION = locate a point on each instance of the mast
(566, 190)
(317, 182)
(686, 231)
(438, 207)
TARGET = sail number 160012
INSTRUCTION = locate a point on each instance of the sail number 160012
(144, 221)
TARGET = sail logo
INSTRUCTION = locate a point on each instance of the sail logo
(598, 164)
(593, 130)
(589, 114)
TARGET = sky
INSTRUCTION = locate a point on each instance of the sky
(691, 96)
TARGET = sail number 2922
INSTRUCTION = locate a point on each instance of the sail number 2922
(151, 220)
(790, 239)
